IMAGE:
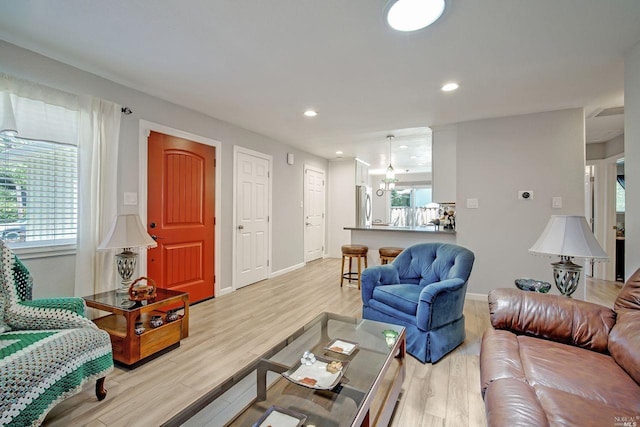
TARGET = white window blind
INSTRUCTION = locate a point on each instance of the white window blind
(38, 192)
(39, 130)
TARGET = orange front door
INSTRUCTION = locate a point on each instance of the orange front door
(180, 215)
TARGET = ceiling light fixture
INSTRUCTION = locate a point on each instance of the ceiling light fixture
(450, 87)
(412, 15)
(389, 181)
(310, 113)
(338, 152)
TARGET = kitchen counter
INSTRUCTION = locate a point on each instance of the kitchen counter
(431, 229)
(377, 236)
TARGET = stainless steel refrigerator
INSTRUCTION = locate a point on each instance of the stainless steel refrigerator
(363, 206)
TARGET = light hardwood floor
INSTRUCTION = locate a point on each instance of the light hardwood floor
(228, 332)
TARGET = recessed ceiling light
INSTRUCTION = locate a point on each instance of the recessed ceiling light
(412, 15)
(450, 86)
(404, 146)
(414, 157)
(338, 152)
(310, 113)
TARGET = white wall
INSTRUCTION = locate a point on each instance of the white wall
(341, 206)
(444, 163)
(602, 150)
(495, 158)
(287, 238)
(632, 159)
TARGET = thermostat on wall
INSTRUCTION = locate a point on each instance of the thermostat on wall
(525, 195)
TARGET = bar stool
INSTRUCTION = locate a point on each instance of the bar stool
(353, 251)
(389, 253)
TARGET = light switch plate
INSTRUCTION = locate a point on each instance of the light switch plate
(472, 203)
(130, 199)
(556, 202)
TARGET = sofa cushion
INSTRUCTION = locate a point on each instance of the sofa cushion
(573, 370)
(394, 313)
(566, 409)
(553, 317)
(499, 357)
(402, 297)
(624, 342)
(512, 402)
(629, 296)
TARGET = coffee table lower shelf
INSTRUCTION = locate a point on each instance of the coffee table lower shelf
(305, 400)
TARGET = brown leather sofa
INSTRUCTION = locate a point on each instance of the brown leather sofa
(556, 361)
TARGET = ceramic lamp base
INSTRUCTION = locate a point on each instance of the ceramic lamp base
(566, 275)
(126, 264)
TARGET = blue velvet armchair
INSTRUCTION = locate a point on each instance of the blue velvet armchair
(423, 289)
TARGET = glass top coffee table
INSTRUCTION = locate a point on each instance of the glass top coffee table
(279, 389)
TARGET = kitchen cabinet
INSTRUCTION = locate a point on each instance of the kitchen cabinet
(362, 173)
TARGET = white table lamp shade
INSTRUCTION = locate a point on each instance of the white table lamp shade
(127, 231)
(568, 235)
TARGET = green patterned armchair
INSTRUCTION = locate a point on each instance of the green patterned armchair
(48, 348)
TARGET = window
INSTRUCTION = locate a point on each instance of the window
(38, 192)
(620, 198)
(413, 207)
(39, 135)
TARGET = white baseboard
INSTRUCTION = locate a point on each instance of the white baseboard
(225, 291)
(286, 270)
(477, 297)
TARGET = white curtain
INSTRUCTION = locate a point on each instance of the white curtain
(97, 194)
(34, 111)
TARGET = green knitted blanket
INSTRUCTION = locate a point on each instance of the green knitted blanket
(39, 369)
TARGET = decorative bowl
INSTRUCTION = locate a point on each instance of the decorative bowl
(533, 285)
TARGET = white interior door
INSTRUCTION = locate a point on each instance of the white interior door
(314, 208)
(604, 212)
(252, 218)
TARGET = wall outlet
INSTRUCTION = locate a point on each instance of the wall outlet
(556, 202)
(472, 203)
(525, 195)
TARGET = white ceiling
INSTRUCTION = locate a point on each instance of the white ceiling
(259, 64)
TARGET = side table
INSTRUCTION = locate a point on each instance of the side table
(128, 347)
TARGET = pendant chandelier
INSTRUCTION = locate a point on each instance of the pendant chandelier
(389, 181)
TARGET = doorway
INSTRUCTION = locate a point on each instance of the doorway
(180, 214)
(145, 179)
(314, 209)
(600, 207)
(252, 206)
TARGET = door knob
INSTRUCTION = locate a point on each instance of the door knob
(307, 223)
(241, 227)
(154, 237)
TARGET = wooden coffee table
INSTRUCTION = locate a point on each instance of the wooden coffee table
(129, 348)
